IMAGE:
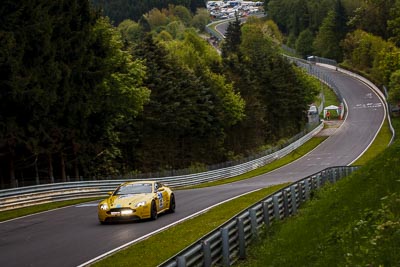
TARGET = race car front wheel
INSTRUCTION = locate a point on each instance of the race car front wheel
(172, 204)
(153, 210)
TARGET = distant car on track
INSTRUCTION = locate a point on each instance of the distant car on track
(136, 200)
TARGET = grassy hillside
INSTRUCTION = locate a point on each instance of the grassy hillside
(355, 222)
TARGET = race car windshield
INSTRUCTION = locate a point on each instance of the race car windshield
(134, 189)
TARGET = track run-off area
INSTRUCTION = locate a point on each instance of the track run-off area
(72, 236)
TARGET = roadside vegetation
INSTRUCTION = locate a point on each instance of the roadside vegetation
(330, 96)
(355, 222)
(142, 93)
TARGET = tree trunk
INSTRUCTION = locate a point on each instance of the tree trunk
(63, 173)
(75, 148)
(50, 167)
(36, 171)
(13, 181)
(76, 169)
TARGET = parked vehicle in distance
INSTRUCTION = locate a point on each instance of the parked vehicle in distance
(135, 201)
(313, 110)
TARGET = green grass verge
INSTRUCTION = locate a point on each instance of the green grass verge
(296, 154)
(158, 248)
(330, 96)
(380, 143)
(355, 222)
(15, 213)
(330, 99)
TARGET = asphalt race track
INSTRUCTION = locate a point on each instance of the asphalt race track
(72, 236)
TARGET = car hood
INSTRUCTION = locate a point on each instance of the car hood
(127, 200)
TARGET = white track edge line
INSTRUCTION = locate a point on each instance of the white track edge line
(159, 230)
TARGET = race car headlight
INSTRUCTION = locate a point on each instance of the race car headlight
(140, 204)
(104, 207)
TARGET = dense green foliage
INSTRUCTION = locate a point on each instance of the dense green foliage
(363, 34)
(274, 91)
(119, 10)
(85, 98)
(372, 55)
(355, 222)
(189, 108)
(66, 84)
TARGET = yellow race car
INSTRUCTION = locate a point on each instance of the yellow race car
(135, 201)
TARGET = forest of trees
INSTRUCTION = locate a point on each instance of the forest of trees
(83, 95)
(363, 35)
(120, 10)
(108, 88)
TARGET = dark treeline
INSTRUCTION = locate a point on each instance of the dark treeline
(119, 10)
(80, 97)
(66, 88)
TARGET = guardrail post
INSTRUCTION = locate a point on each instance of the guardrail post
(253, 219)
(317, 182)
(276, 207)
(312, 182)
(285, 203)
(307, 189)
(337, 173)
(294, 199)
(266, 213)
(181, 261)
(225, 247)
(345, 171)
(321, 180)
(242, 240)
(325, 176)
(331, 174)
(206, 254)
(301, 186)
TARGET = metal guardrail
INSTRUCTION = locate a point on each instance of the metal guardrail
(326, 79)
(322, 76)
(333, 65)
(227, 244)
(25, 182)
(308, 65)
(39, 194)
(379, 93)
